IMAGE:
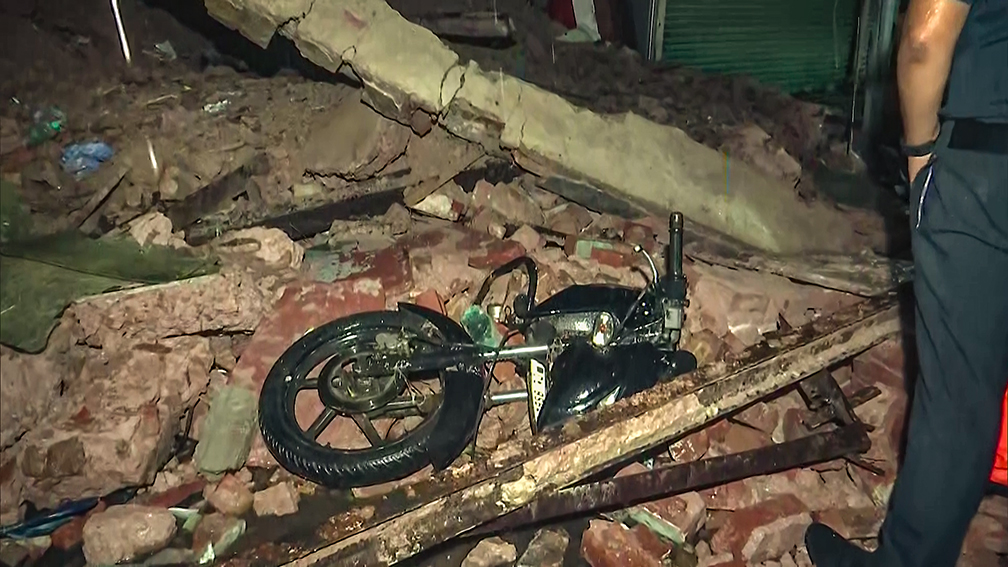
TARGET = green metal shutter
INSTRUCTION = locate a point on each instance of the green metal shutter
(796, 45)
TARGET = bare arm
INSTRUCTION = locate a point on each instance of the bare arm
(930, 33)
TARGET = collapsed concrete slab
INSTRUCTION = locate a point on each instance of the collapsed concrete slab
(407, 69)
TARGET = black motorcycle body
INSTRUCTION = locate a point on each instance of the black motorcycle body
(585, 347)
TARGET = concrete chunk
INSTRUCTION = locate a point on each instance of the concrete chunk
(405, 67)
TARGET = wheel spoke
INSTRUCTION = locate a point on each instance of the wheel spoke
(320, 423)
(308, 384)
(368, 428)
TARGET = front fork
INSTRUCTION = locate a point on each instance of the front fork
(675, 302)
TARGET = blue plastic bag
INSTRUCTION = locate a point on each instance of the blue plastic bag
(83, 158)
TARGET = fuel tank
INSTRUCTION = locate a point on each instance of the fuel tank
(584, 378)
(599, 298)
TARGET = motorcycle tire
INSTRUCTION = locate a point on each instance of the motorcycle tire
(446, 428)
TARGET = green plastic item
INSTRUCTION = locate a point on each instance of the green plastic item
(481, 327)
(48, 123)
(41, 275)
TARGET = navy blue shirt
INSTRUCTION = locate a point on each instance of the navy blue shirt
(978, 81)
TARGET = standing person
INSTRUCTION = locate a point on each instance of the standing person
(959, 219)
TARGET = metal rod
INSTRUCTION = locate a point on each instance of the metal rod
(625, 491)
(122, 32)
(501, 398)
(857, 82)
(514, 352)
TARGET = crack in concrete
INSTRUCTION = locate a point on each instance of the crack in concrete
(521, 129)
(293, 20)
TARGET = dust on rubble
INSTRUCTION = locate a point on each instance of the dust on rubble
(133, 383)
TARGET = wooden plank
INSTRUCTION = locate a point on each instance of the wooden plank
(381, 532)
(867, 274)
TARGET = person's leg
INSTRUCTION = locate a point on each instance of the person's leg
(960, 248)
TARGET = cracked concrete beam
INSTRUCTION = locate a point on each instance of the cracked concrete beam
(652, 164)
(405, 67)
(257, 20)
(397, 73)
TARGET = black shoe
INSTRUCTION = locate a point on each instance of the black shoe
(827, 549)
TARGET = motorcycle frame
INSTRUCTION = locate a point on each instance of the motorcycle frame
(669, 292)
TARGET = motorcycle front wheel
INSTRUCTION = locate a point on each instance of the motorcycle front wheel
(319, 366)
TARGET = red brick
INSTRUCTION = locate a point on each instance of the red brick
(706, 346)
(717, 431)
(658, 227)
(606, 544)
(687, 512)
(173, 496)
(610, 258)
(495, 253)
(568, 218)
(304, 305)
(504, 371)
(649, 542)
(761, 416)
(739, 438)
(390, 266)
(690, 448)
(832, 489)
(761, 529)
(431, 300)
(883, 363)
(640, 235)
(610, 253)
(793, 424)
(72, 533)
(735, 345)
(729, 496)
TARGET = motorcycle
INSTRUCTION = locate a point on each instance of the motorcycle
(585, 347)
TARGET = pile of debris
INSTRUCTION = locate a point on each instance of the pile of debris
(133, 436)
(135, 381)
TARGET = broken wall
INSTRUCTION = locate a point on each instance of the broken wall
(657, 167)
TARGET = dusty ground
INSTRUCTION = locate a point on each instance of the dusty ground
(88, 426)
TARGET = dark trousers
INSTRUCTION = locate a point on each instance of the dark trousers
(959, 218)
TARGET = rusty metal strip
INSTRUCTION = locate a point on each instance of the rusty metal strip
(625, 491)
(621, 492)
(386, 530)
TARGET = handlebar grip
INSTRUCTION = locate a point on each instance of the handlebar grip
(676, 245)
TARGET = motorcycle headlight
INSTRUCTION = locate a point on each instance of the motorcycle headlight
(602, 329)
